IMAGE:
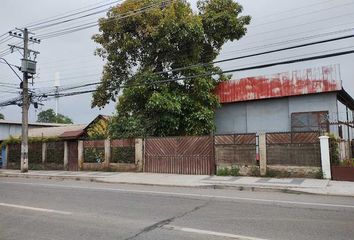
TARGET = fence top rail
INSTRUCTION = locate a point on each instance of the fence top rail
(293, 138)
(171, 137)
(232, 134)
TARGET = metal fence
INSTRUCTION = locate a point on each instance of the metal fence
(236, 149)
(180, 155)
(294, 149)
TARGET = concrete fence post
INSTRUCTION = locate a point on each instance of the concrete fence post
(66, 156)
(5, 156)
(263, 154)
(44, 152)
(139, 154)
(107, 152)
(325, 157)
(80, 154)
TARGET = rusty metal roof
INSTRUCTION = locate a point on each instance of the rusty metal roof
(291, 83)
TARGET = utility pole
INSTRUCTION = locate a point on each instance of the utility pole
(25, 107)
(56, 85)
(28, 67)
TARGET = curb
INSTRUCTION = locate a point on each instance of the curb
(206, 186)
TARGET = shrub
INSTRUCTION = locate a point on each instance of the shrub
(235, 171)
(319, 174)
(334, 149)
(225, 171)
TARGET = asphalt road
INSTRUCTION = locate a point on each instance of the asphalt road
(35, 209)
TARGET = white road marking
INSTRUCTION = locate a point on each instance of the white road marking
(34, 208)
(189, 195)
(211, 233)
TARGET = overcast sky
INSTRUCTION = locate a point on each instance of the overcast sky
(273, 21)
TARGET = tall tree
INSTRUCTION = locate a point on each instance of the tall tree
(156, 44)
(2, 117)
(48, 116)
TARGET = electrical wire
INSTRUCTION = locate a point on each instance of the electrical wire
(96, 23)
(66, 14)
(240, 68)
(254, 54)
(300, 15)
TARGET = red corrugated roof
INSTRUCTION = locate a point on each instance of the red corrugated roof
(292, 83)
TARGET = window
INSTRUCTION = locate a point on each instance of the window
(309, 122)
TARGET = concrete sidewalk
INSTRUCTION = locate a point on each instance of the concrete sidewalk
(299, 185)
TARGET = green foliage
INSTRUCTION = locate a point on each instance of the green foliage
(334, 149)
(235, 171)
(48, 116)
(141, 51)
(17, 140)
(225, 171)
(319, 174)
(126, 127)
(2, 117)
(123, 155)
(94, 155)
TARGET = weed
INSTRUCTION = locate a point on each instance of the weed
(255, 171)
(271, 173)
(235, 171)
(319, 174)
(223, 172)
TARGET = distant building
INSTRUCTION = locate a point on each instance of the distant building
(298, 101)
(98, 128)
(13, 128)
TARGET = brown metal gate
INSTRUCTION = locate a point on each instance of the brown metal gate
(180, 155)
(73, 156)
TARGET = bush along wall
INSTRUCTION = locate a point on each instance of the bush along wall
(54, 154)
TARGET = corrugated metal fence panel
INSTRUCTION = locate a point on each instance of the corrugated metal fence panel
(180, 155)
(294, 149)
(235, 149)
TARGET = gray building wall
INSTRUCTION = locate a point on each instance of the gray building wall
(7, 130)
(270, 115)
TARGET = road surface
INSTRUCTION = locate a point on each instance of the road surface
(36, 209)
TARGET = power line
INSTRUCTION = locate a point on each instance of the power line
(267, 65)
(228, 52)
(242, 57)
(96, 23)
(300, 15)
(210, 73)
(294, 40)
(321, 2)
(66, 14)
(69, 20)
(300, 25)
